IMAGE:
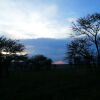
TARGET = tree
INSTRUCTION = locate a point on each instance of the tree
(41, 62)
(89, 26)
(79, 51)
(8, 50)
(10, 46)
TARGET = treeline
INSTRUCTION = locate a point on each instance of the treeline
(12, 57)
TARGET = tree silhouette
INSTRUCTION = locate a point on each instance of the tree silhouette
(41, 62)
(89, 26)
(8, 49)
(79, 51)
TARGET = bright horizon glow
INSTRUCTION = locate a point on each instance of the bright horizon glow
(18, 53)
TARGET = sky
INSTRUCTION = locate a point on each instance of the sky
(28, 19)
(51, 48)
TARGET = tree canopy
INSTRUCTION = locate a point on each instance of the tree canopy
(10, 46)
(9, 49)
(79, 51)
(89, 26)
(41, 62)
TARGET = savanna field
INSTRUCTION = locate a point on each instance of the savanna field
(69, 84)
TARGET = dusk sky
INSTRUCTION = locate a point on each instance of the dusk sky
(25, 19)
(31, 19)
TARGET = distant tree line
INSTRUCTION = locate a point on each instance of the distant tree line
(34, 63)
(12, 58)
(85, 46)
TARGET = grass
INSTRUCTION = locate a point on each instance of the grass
(51, 85)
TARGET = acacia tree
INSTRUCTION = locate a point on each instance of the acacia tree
(90, 27)
(79, 51)
(8, 50)
(10, 46)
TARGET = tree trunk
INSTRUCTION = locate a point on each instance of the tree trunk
(97, 48)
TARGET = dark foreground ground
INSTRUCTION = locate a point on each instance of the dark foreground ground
(51, 85)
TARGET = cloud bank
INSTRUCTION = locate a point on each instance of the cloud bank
(52, 48)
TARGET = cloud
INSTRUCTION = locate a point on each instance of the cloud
(52, 48)
(22, 20)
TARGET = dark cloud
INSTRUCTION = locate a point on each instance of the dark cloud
(53, 48)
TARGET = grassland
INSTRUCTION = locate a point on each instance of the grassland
(51, 85)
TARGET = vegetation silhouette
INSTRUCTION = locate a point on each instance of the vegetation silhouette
(89, 27)
(8, 51)
(40, 62)
(79, 52)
